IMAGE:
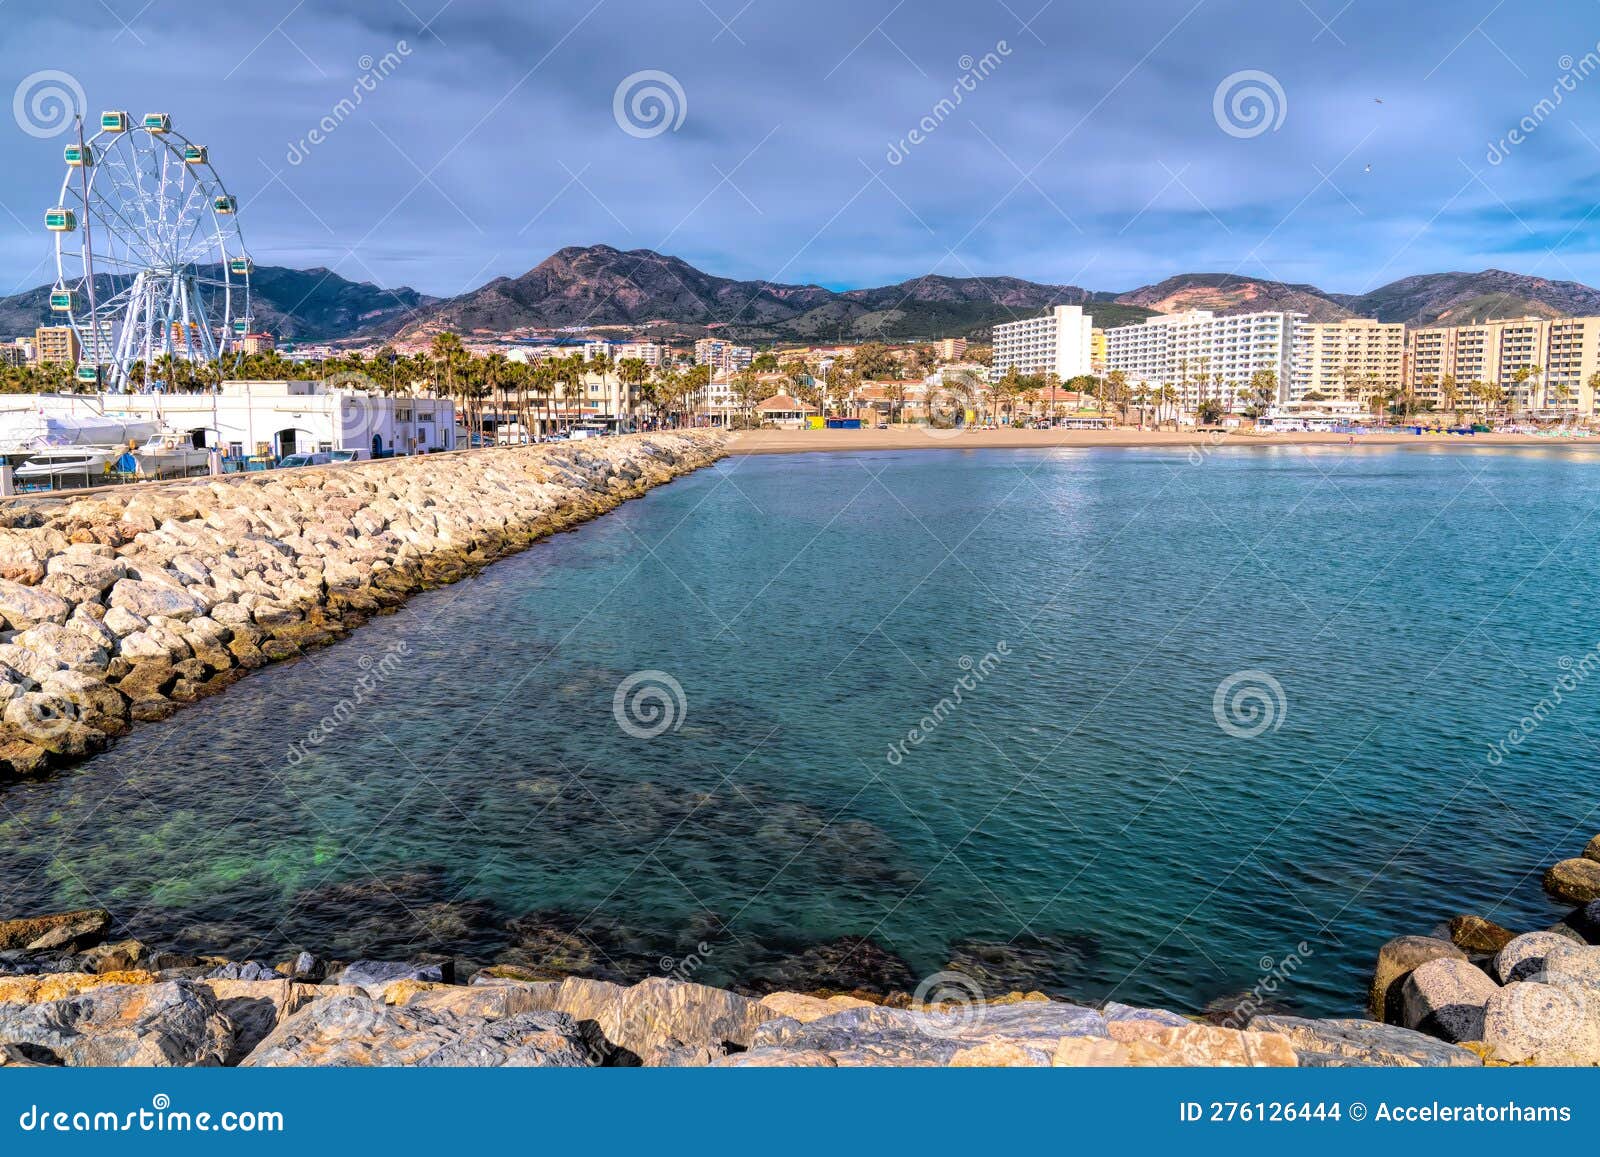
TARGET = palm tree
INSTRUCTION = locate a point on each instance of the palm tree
(1450, 395)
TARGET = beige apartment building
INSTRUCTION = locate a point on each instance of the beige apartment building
(1565, 351)
(55, 344)
(1347, 360)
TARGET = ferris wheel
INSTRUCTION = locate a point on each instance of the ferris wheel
(151, 269)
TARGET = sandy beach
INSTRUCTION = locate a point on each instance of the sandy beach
(920, 438)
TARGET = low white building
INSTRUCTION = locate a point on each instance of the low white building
(273, 419)
(1057, 343)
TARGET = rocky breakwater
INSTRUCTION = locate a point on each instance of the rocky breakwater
(68, 997)
(1516, 999)
(119, 605)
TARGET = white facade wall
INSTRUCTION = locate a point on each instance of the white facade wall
(1058, 342)
(296, 417)
(1205, 356)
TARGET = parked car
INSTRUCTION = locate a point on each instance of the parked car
(289, 461)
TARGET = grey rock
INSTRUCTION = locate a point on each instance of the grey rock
(1115, 1013)
(1396, 961)
(243, 970)
(25, 606)
(1546, 1024)
(307, 967)
(148, 599)
(373, 975)
(162, 1025)
(1445, 998)
(885, 1036)
(357, 1031)
(1339, 1043)
(1525, 956)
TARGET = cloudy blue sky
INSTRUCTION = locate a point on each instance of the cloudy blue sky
(1091, 153)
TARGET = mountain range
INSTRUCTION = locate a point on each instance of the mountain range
(599, 286)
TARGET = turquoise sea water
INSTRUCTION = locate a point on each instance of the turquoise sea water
(1079, 821)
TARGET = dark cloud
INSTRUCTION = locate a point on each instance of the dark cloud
(1089, 153)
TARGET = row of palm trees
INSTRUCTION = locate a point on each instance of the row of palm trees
(487, 388)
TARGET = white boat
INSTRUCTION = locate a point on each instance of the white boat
(66, 466)
(31, 431)
(172, 455)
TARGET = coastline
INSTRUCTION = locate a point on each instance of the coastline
(1472, 994)
(921, 438)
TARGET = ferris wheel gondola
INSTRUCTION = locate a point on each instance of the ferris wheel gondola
(151, 269)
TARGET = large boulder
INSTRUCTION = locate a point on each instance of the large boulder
(1475, 934)
(1545, 1024)
(661, 1013)
(1574, 881)
(1591, 850)
(1445, 998)
(359, 1031)
(1583, 923)
(44, 987)
(146, 599)
(805, 1009)
(24, 606)
(1356, 1043)
(875, 1035)
(1397, 960)
(256, 1007)
(374, 975)
(1525, 956)
(80, 929)
(144, 1025)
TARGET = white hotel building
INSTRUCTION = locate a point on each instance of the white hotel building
(1056, 343)
(1205, 356)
